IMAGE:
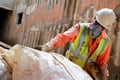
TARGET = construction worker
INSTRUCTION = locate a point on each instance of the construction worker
(90, 43)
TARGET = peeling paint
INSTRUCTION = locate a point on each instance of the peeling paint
(31, 9)
(34, 28)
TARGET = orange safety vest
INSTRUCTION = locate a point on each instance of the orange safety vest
(82, 47)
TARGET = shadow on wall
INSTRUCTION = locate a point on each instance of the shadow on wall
(5, 16)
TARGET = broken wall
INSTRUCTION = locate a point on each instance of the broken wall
(33, 20)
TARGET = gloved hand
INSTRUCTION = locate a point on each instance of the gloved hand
(104, 71)
(45, 47)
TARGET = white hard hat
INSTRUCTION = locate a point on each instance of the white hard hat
(105, 17)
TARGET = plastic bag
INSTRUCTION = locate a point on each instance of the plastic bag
(31, 64)
(4, 72)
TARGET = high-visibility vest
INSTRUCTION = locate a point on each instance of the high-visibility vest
(80, 47)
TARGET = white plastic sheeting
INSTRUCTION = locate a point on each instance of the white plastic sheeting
(30, 64)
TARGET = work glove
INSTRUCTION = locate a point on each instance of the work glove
(47, 47)
(104, 71)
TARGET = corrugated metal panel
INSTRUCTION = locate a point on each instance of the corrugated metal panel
(7, 4)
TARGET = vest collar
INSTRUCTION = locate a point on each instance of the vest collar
(104, 35)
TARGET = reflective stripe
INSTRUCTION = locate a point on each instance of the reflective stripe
(77, 47)
(103, 47)
(81, 39)
(78, 55)
(100, 49)
(77, 40)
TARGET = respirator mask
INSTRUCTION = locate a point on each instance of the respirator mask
(95, 31)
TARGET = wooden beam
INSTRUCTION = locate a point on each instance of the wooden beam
(5, 45)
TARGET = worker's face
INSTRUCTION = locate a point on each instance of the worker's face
(95, 31)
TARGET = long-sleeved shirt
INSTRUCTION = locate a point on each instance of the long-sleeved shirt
(71, 34)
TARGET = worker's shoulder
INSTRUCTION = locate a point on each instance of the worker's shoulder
(83, 24)
(108, 38)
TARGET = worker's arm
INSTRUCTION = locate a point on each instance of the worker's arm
(62, 38)
(102, 60)
(69, 35)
